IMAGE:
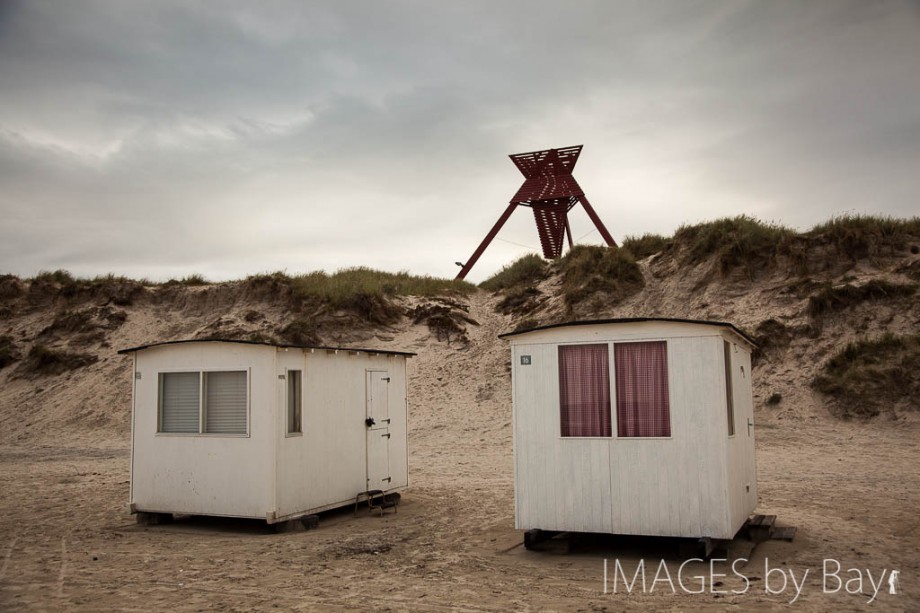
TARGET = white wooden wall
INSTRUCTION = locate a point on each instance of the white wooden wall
(207, 474)
(675, 486)
(265, 474)
(327, 465)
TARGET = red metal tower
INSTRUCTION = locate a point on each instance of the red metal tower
(551, 191)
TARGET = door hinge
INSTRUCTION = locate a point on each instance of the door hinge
(386, 435)
(387, 379)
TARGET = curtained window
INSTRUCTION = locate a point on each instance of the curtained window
(584, 390)
(643, 408)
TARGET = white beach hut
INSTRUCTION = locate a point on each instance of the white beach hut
(256, 430)
(633, 426)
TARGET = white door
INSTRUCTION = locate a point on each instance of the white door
(747, 430)
(378, 430)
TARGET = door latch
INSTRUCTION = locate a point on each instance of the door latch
(370, 422)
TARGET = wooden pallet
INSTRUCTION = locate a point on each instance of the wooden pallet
(762, 528)
(785, 533)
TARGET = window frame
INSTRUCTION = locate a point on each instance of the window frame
(202, 403)
(727, 349)
(615, 396)
(288, 379)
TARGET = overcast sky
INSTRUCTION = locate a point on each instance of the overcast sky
(162, 139)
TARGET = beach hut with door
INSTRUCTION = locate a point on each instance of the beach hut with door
(258, 430)
(637, 426)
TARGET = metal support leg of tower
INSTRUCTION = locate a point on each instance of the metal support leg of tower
(488, 239)
(597, 221)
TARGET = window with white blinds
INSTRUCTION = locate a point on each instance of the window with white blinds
(225, 402)
(180, 398)
(220, 409)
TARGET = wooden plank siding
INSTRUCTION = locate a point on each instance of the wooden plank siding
(327, 463)
(200, 474)
(675, 486)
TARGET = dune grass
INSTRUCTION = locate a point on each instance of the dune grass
(524, 271)
(45, 360)
(66, 279)
(363, 291)
(8, 351)
(526, 324)
(753, 245)
(867, 376)
(192, 280)
(70, 322)
(341, 288)
(588, 270)
(741, 241)
(11, 287)
(734, 242)
(643, 246)
(519, 300)
(862, 236)
(60, 276)
(117, 289)
(300, 332)
(835, 299)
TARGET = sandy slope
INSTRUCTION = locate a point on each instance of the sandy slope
(66, 540)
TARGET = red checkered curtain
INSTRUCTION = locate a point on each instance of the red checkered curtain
(584, 390)
(643, 408)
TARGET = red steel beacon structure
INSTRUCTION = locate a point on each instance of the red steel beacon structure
(550, 191)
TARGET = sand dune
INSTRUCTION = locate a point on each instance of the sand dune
(67, 541)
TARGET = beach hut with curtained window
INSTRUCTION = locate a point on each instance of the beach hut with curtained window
(639, 426)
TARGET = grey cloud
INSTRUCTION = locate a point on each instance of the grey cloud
(238, 137)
